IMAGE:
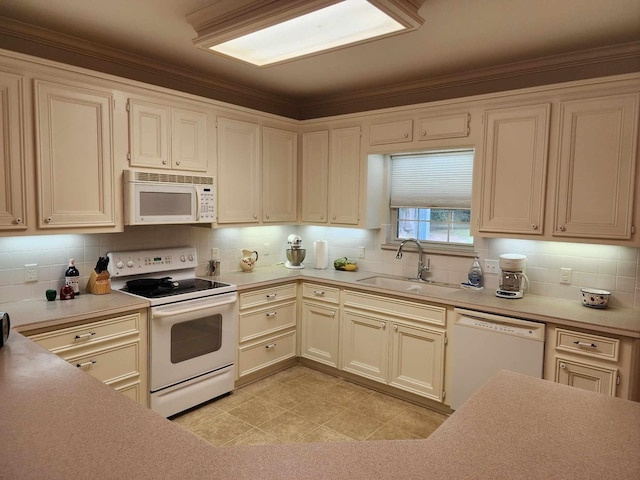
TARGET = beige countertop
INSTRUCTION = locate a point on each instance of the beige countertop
(59, 423)
(33, 314)
(621, 321)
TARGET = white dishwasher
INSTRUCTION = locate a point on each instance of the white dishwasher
(484, 343)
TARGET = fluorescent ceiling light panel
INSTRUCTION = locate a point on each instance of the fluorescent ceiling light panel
(340, 24)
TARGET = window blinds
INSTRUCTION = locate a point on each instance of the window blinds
(432, 180)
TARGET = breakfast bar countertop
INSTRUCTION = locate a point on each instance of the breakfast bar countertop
(60, 423)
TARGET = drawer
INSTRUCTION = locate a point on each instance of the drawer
(260, 355)
(89, 333)
(321, 292)
(587, 344)
(265, 296)
(444, 126)
(267, 320)
(419, 312)
(391, 132)
(110, 363)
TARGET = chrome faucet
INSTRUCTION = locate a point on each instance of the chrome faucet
(422, 267)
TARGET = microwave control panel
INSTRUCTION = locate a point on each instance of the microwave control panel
(207, 197)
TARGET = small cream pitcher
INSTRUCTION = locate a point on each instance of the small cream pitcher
(248, 260)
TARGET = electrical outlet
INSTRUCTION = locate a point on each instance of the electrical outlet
(360, 252)
(491, 266)
(31, 272)
(266, 249)
(215, 254)
(565, 275)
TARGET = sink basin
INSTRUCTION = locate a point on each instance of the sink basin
(411, 286)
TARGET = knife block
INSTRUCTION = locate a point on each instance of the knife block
(99, 283)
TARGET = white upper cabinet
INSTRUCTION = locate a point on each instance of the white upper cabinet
(279, 175)
(513, 163)
(12, 157)
(315, 176)
(167, 137)
(74, 149)
(344, 176)
(597, 157)
(238, 171)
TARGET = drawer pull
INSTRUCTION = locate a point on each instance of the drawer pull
(585, 345)
(272, 295)
(271, 345)
(318, 292)
(84, 335)
(86, 364)
(272, 314)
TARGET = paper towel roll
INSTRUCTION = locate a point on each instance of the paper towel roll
(321, 249)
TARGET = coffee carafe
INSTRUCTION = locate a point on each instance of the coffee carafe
(513, 281)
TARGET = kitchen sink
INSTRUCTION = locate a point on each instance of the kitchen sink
(409, 285)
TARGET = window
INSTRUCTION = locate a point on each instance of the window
(431, 196)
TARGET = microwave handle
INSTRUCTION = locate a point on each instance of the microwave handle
(161, 314)
(198, 204)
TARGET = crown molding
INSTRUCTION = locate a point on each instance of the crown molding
(60, 47)
(43, 43)
(579, 65)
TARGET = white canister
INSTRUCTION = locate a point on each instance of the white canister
(321, 250)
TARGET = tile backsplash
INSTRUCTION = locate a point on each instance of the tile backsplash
(608, 267)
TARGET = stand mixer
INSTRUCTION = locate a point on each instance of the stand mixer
(295, 254)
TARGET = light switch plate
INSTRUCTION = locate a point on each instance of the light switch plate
(360, 252)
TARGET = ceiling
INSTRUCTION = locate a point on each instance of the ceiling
(464, 47)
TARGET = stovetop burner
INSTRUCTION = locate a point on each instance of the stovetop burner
(174, 287)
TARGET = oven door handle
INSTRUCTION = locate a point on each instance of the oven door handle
(161, 314)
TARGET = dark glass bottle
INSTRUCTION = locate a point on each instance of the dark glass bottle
(72, 277)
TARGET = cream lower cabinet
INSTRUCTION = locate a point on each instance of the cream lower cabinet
(113, 350)
(75, 156)
(320, 324)
(592, 361)
(267, 328)
(396, 342)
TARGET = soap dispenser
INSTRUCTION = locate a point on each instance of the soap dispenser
(475, 274)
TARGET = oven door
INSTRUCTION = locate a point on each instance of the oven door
(192, 338)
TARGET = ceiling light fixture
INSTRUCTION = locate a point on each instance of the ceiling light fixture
(266, 33)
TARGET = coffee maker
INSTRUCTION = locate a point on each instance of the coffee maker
(295, 252)
(513, 281)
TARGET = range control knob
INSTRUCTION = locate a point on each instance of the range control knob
(119, 264)
(191, 257)
(183, 258)
(130, 263)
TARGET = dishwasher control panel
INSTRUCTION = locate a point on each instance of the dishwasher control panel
(500, 324)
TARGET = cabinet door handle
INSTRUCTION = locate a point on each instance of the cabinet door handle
(318, 292)
(164, 162)
(534, 227)
(271, 345)
(585, 345)
(395, 327)
(383, 325)
(561, 228)
(86, 364)
(178, 162)
(272, 295)
(48, 220)
(563, 365)
(85, 335)
(18, 220)
(272, 314)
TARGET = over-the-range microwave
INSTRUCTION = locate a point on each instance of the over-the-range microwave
(166, 198)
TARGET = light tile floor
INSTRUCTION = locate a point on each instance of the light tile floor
(303, 405)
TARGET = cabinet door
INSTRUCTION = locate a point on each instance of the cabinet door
(12, 162)
(238, 171)
(279, 175)
(149, 133)
(74, 145)
(365, 345)
(315, 176)
(597, 167)
(391, 132)
(320, 333)
(586, 376)
(188, 140)
(344, 176)
(417, 360)
(514, 166)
